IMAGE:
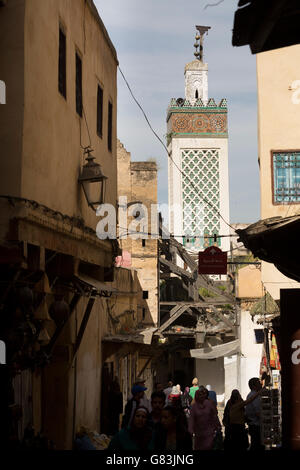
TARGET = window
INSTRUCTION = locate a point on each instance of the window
(196, 94)
(99, 111)
(259, 336)
(62, 67)
(145, 294)
(144, 313)
(286, 177)
(109, 134)
(78, 85)
(143, 242)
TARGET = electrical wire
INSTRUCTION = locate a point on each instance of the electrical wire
(169, 154)
(158, 236)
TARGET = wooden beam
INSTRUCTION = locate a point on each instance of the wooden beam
(203, 304)
(83, 326)
(176, 269)
(177, 312)
(49, 348)
(223, 318)
(145, 365)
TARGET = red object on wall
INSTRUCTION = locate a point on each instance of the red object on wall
(212, 261)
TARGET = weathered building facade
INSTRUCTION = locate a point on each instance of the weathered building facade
(137, 196)
(58, 284)
(278, 145)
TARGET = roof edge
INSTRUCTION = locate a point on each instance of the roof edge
(97, 17)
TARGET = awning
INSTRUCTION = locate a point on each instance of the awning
(212, 352)
(140, 336)
(266, 25)
(98, 285)
(275, 240)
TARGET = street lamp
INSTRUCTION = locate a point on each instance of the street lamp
(92, 174)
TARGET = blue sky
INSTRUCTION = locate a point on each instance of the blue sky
(154, 40)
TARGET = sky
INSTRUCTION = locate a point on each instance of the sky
(154, 41)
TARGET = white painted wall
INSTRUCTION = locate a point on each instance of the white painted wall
(196, 80)
(212, 372)
(231, 367)
(251, 353)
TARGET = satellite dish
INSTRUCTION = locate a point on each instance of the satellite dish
(180, 101)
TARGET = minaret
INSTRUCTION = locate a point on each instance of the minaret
(198, 145)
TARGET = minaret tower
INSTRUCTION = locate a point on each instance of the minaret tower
(198, 167)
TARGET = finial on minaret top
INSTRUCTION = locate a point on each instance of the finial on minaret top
(199, 41)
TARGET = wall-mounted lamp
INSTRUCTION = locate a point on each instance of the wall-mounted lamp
(92, 174)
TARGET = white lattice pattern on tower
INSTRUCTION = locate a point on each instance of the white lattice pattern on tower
(201, 166)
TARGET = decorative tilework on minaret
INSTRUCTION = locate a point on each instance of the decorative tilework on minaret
(198, 142)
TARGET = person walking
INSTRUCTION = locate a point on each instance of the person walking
(253, 414)
(158, 387)
(144, 400)
(211, 394)
(138, 436)
(175, 395)
(194, 387)
(204, 423)
(115, 406)
(186, 401)
(173, 435)
(236, 436)
(137, 394)
(168, 390)
(157, 403)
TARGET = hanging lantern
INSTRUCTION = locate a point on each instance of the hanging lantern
(59, 311)
(43, 337)
(41, 313)
(92, 175)
(43, 285)
(25, 296)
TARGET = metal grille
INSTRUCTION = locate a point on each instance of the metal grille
(286, 172)
(200, 218)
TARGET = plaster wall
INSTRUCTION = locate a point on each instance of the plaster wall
(278, 95)
(212, 372)
(274, 280)
(249, 283)
(196, 80)
(231, 366)
(278, 118)
(251, 352)
(44, 141)
(12, 113)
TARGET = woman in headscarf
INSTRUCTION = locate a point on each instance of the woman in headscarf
(137, 436)
(204, 422)
(236, 436)
(173, 434)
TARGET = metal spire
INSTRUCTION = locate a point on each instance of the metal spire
(199, 41)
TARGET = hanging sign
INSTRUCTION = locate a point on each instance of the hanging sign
(212, 261)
